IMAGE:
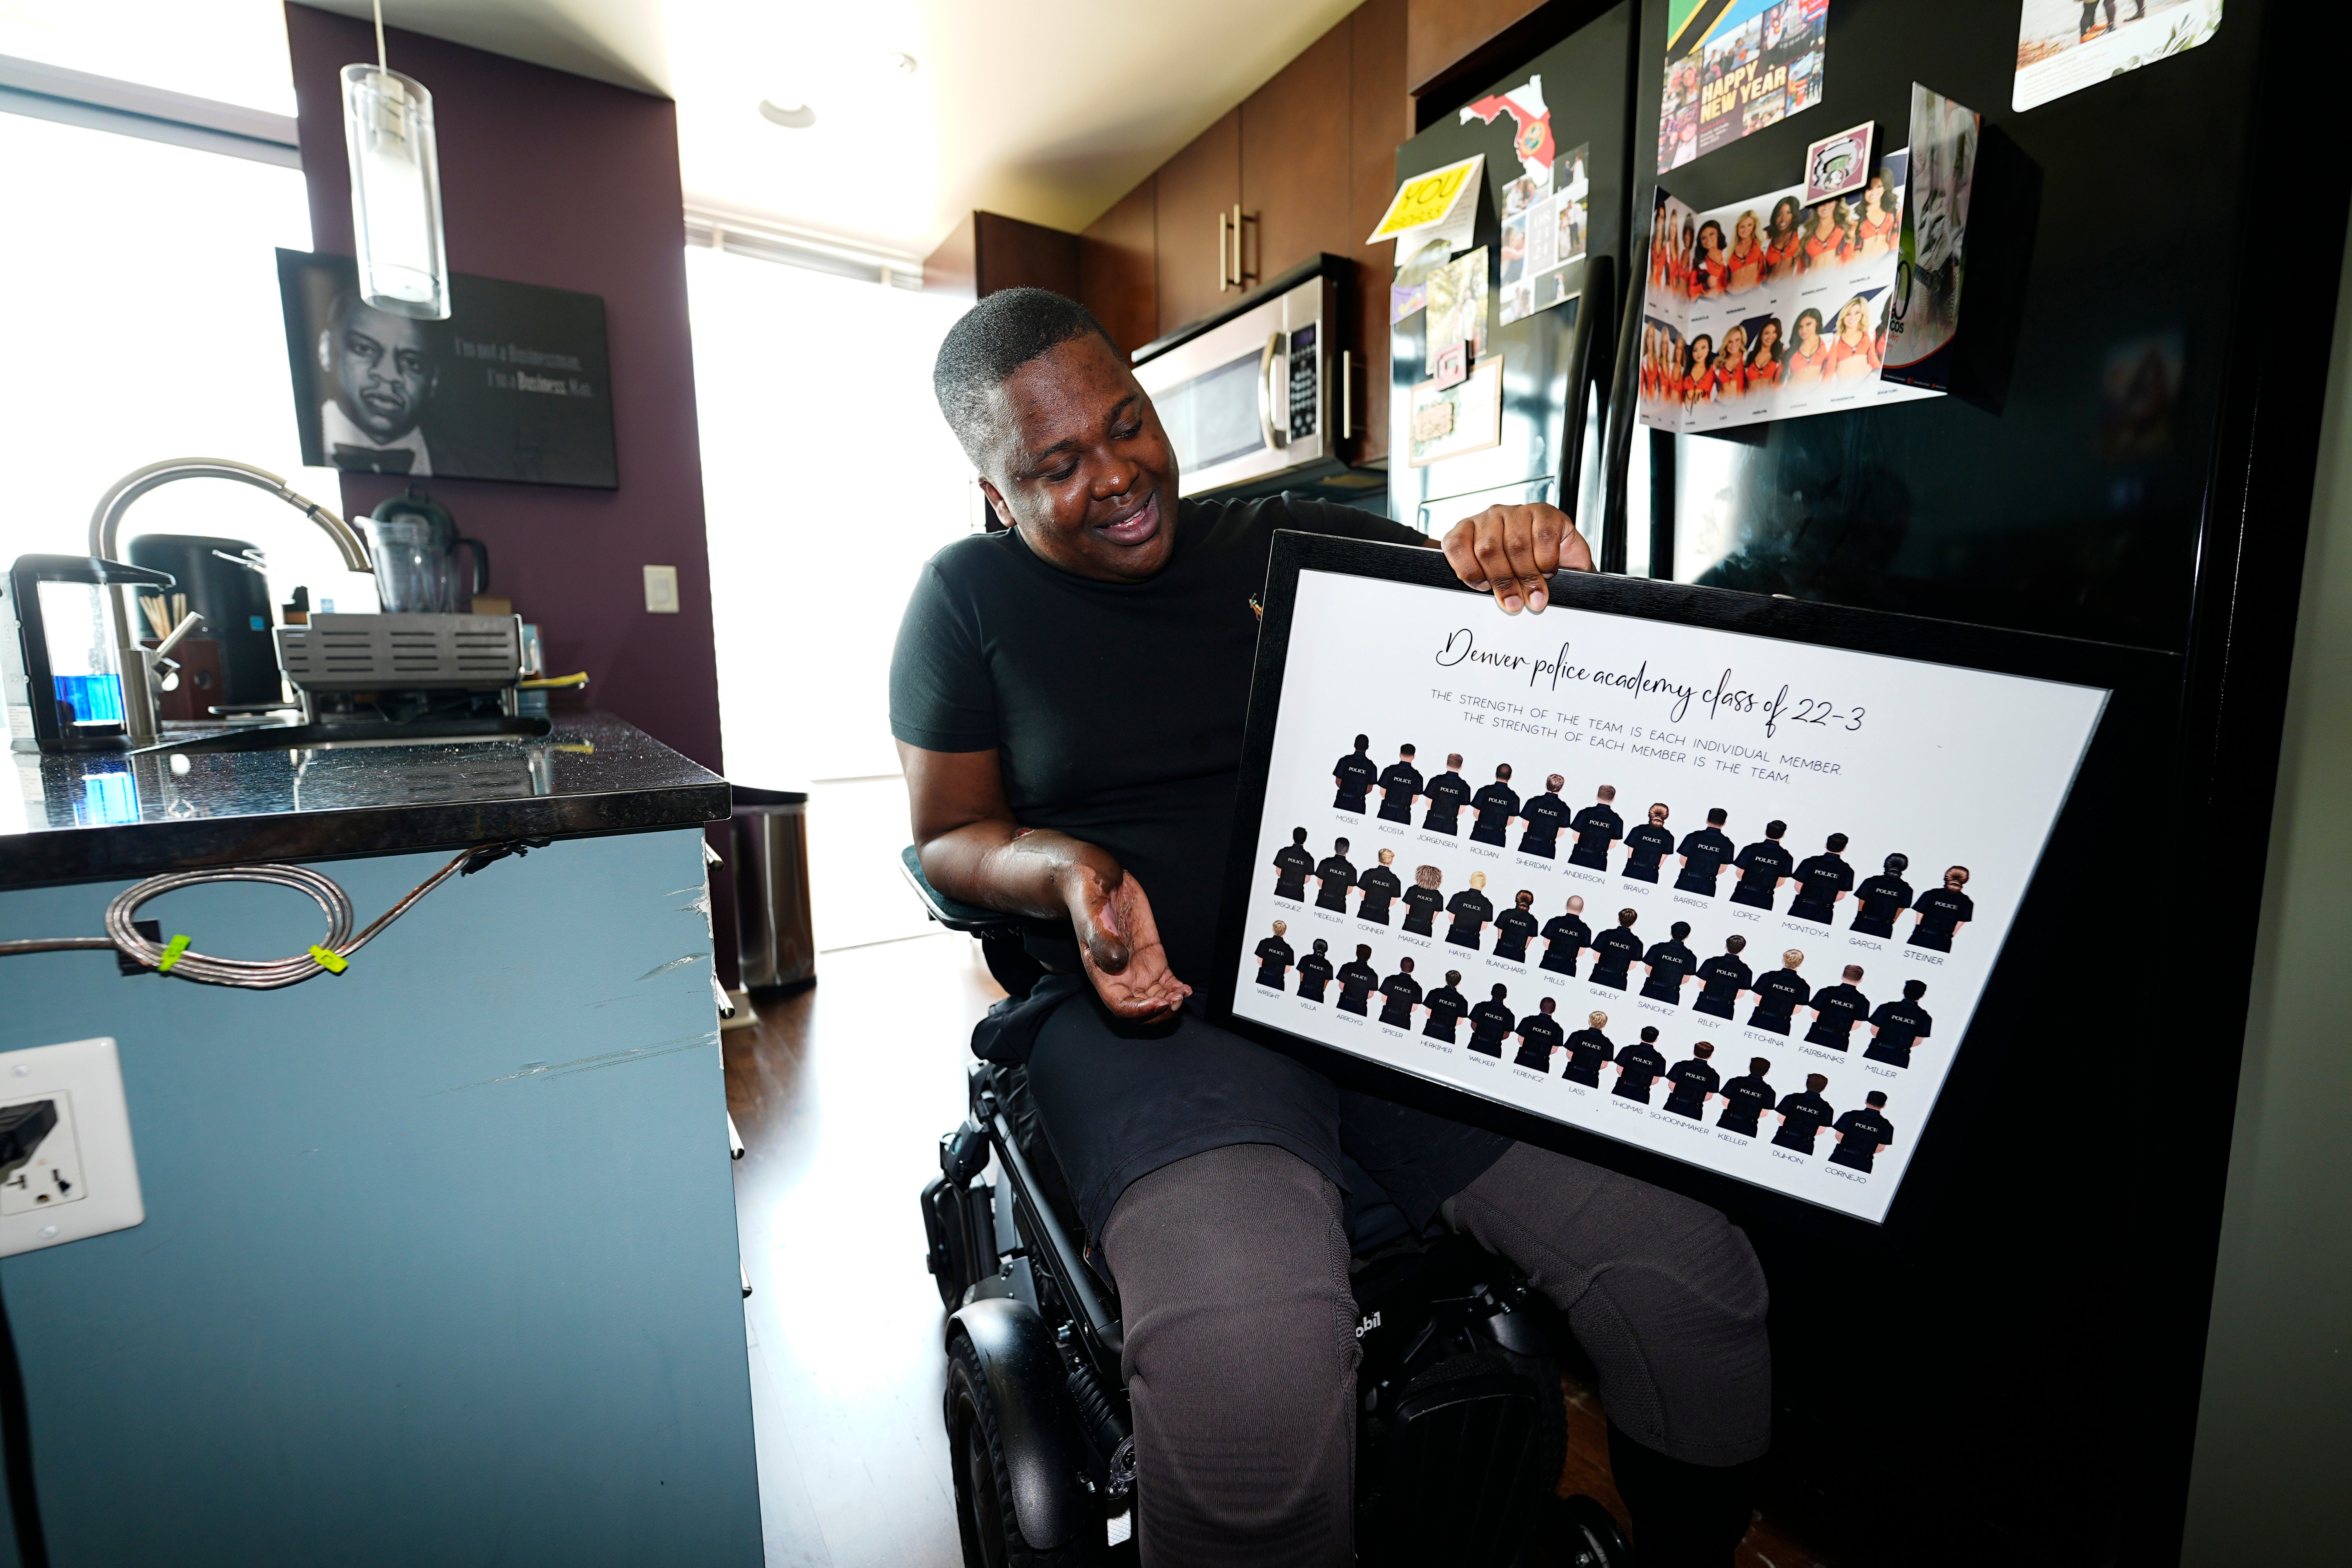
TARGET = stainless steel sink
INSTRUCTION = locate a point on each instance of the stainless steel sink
(358, 733)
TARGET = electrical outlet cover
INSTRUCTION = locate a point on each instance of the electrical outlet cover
(83, 1179)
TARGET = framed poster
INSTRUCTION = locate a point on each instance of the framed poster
(1702, 886)
(514, 386)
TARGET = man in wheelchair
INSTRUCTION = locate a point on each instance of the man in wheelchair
(1068, 695)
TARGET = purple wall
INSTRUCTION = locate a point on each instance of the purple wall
(551, 178)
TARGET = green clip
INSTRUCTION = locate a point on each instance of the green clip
(172, 951)
(330, 961)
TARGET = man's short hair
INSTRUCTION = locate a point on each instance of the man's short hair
(994, 339)
(1649, 1033)
(1759, 1066)
(1502, 769)
(1874, 1098)
(1405, 965)
(1702, 1050)
(1338, 847)
(1453, 978)
(1607, 792)
(1854, 971)
(1734, 943)
(1627, 917)
(1774, 829)
(1815, 1082)
(1913, 989)
(1363, 950)
(1679, 930)
(1836, 842)
(1716, 817)
(1405, 750)
(1453, 759)
(1362, 741)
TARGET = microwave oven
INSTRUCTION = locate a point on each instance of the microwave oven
(1257, 399)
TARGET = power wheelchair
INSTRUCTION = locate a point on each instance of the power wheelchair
(1461, 1432)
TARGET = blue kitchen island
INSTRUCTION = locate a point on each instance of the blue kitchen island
(439, 1262)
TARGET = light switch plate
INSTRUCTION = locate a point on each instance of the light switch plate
(83, 1179)
(661, 590)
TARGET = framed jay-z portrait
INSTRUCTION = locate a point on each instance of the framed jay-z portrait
(1767, 902)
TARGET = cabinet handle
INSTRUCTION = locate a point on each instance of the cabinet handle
(1347, 394)
(1223, 282)
(1239, 276)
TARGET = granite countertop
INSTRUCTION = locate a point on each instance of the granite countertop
(96, 816)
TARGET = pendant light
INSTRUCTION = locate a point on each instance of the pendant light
(396, 189)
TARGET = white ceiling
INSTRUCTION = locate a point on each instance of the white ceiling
(1043, 110)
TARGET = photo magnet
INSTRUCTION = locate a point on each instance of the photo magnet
(1837, 165)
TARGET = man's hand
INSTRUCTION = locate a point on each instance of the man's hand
(1119, 941)
(1509, 551)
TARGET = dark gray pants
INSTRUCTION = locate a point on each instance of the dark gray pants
(1241, 1351)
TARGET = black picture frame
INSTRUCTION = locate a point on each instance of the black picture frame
(2025, 981)
(521, 386)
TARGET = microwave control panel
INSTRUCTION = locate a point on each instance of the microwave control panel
(1305, 382)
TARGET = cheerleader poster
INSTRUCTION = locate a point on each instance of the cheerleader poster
(1727, 898)
(1771, 308)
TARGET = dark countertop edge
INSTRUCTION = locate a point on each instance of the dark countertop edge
(131, 851)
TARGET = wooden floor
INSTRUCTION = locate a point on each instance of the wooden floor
(840, 1094)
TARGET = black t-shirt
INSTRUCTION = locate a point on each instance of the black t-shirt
(1399, 784)
(1802, 1114)
(1314, 974)
(1694, 1080)
(1274, 955)
(1568, 933)
(1670, 963)
(1841, 1007)
(1596, 828)
(1355, 774)
(1638, 1066)
(1471, 911)
(1357, 978)
(1338, 874)
(1747, 1095)
(1497, 805)
(1645, 845)
(1491, 1020)
(1513, 928)
(1615, 948)
(1779, 991)
(1864, 1130)
(1722, 978)
(1445, 1008)
(1882, 899)
(1294, 864)
(1587, 1049)
(1821, 879)
(1403, 990)
(1899, 1024)
(1421, 904)
(1706, 850)
(1940, 909)
(1447, 794)
(1763, 864)
(1539, 1035)
(1380, 885)
(1001, 650)
(1545, 815)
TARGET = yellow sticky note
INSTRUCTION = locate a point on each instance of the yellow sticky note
(330, 959)
(1425, 199)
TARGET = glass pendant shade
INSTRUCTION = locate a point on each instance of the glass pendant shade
(395, 193)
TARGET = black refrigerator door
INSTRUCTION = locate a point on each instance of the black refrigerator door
(2071, 503)
(1588, 90)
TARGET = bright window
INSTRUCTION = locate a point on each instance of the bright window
(142, 324)
(231, 51)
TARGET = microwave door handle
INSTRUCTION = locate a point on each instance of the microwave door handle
(1270, 360)
(1589, 309)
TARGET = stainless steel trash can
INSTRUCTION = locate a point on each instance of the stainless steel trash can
(770, 830)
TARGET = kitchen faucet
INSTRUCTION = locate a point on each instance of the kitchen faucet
(139, 722)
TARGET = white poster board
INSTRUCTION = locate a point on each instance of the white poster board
(1949, 766)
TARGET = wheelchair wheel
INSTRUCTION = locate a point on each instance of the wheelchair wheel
(983, 1485)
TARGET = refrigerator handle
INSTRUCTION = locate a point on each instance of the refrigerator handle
(1591, 307)
(1619, 417)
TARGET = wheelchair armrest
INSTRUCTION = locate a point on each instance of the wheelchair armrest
(954, 913)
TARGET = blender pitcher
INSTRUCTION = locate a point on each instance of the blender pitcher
(415, 547)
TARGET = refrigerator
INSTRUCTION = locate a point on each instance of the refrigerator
(2013, 1372)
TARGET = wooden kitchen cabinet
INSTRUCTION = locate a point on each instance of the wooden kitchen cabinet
(1294, 161)
(1118, 268)
(1196, 188)
(1380, 120)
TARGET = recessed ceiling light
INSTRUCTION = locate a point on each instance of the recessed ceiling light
(798, 118)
